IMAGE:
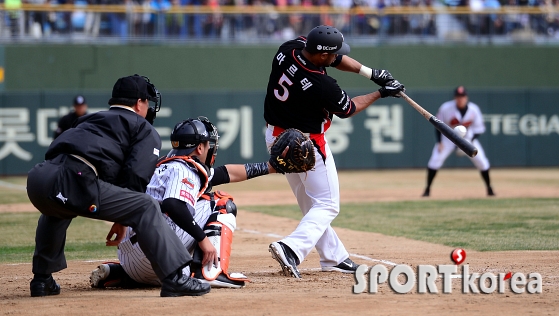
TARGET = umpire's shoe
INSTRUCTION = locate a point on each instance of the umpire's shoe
(346, 266)
(43, 286)
(286, 258)
(178, 284)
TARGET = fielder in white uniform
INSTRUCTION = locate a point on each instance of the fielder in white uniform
(459, 111)
(204, 222)
(301, 95)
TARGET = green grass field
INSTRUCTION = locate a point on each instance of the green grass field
(85, 238)
(479, 224)
(12, 190)
(484, 225)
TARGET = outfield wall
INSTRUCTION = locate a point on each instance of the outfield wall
(210, 67)
(522, 127)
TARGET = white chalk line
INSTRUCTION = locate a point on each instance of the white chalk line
(13, 186)
(390, 263)
(355, 255)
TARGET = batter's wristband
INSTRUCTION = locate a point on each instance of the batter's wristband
(256, 169)
(366, 72)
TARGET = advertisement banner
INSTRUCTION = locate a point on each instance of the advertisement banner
(522, 127)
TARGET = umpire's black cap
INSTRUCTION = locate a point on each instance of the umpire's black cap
(326, 39)
(131, 87)
(79, 100)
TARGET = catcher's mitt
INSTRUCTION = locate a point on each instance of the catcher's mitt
(292, 152)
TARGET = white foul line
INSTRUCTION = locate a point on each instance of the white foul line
(250, 231)
(13, 186)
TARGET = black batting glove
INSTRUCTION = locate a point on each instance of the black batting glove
(392, 89)
(381, 77)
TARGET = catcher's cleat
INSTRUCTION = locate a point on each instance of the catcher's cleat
(99, 276)
(286, 258)
(222, 281)
(426, 192)
(44, 287)
(346, 266)
(178, 284)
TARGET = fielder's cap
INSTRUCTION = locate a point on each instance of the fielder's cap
(131, 87)
(326, 39)
(79, 100)
(460, 91)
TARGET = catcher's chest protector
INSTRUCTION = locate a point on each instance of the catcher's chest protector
(202, 170)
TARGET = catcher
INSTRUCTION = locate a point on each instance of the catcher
(204, 222)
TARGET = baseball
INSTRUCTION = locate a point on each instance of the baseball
(460, 130)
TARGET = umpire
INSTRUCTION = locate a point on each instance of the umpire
(100, 169)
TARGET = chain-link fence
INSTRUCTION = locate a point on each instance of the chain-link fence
(418, 21)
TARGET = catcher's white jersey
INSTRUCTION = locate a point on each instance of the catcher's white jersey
(473, 121)
(174, 179)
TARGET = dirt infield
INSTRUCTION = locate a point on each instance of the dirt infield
(270, 293)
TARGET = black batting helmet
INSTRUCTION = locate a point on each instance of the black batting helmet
(188, 134)
(326, 39)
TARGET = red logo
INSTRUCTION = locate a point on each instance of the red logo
(188, 182)
(187, 196)
(458, 255)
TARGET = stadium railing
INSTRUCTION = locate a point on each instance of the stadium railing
(161, 22)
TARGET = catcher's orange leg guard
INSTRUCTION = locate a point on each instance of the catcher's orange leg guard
(219, 230)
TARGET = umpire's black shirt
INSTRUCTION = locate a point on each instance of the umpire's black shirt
(65, 123)
(121, 144)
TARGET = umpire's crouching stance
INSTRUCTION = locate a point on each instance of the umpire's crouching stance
(100, 169)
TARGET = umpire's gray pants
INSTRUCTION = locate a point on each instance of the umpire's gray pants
(135, 209)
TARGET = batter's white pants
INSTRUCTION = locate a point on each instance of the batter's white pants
(438, 158)
(318, 196)
(133, 259)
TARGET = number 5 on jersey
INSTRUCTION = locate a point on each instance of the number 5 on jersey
(282, 97)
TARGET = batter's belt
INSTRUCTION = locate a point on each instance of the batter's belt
(318, 139)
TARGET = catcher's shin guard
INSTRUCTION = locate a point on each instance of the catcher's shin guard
(219, 230)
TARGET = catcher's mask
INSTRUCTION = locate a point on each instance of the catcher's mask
(188, 134)
(154, 96)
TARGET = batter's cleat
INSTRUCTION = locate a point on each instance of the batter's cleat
(426, 192)
(182, 285)
(490, 192)
(99, 276)
(346, 266)
(44, 287)
(286, 258)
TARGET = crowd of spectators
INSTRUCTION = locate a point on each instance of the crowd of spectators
(156, 20)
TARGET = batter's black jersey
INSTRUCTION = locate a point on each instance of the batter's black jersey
(122, 145)
(301, 95)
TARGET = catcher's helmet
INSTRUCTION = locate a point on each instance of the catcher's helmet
(188, 134)
(326, 39)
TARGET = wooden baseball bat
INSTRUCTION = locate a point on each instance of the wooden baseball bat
(462, 143)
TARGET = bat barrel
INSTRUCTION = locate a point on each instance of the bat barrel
(460, 142)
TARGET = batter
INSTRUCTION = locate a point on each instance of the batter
(301, 95)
